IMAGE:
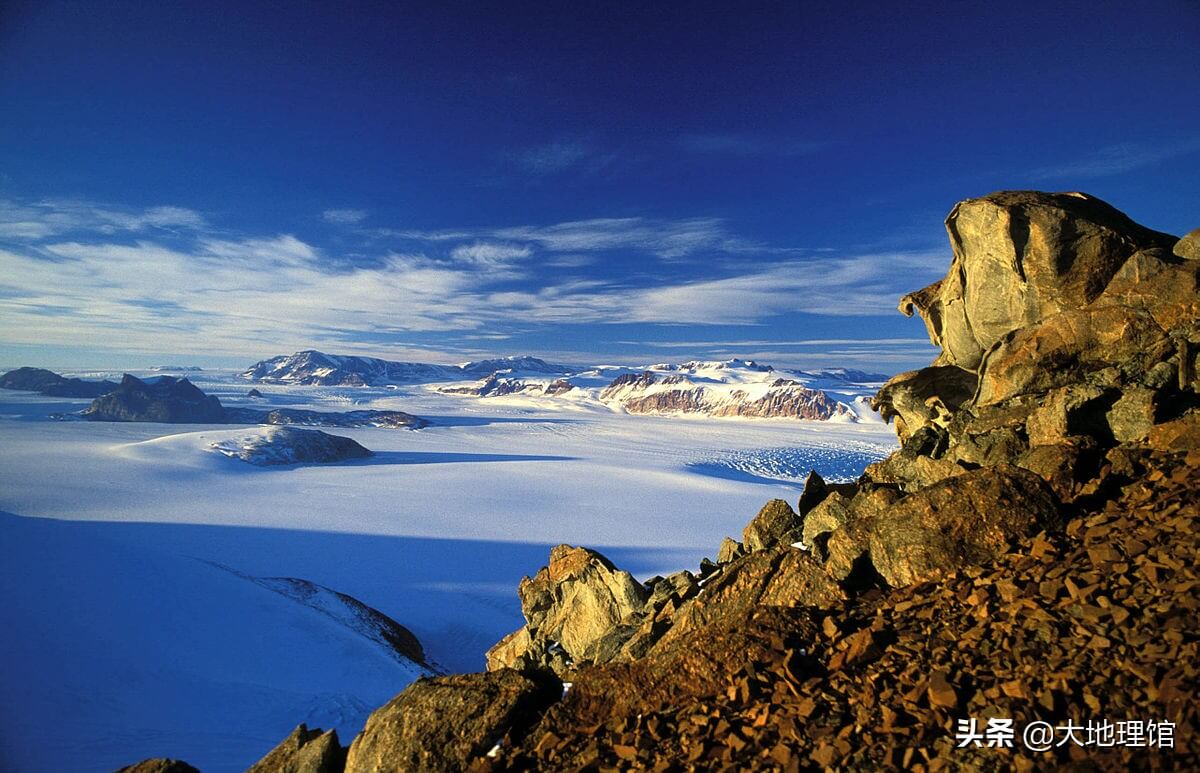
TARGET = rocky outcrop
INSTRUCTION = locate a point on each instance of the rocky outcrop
(305, 418)
(49, 383)
(1020, 257)
(288, 445)
(569, 606)
(163, 399)
(444, 724)
(777, 523)
(304, 751)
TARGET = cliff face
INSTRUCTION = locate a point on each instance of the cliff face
(1030, 554)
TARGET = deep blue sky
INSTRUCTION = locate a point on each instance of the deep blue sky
(630, 181)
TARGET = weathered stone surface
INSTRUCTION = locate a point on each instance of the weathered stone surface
(159, 765)
(1019, 257)
(730, 549)
(443, 724)
(910, 471)
(1065, 348)
(1071, 410)
(1182, 434)
(507, 652)
(574, 600)
(782, 576)
(1058, 464)
(775, 524)
(962, 521)
(830, 514)
(1188, 247)
(919, 398)
(304, 751)
(1132, 415)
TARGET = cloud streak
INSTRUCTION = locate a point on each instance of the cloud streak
(1117, 159)
(123, 286)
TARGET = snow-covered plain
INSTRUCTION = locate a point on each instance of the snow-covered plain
(134, 626)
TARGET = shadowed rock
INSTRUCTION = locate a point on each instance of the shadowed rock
(443, 724)
(165, 399)
(775, 523)
(49, 383)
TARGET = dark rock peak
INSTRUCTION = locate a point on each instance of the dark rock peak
(162, 399)
(51, 384)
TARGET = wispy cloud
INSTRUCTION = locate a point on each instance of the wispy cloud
(550, 158)
(490, 253)
(1117, 159)
(241, 294)
(344, 216)
(54, 217)
(749, 145)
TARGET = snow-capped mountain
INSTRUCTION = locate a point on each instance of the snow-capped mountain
(317, 368)
(709, 388)
(779, 398)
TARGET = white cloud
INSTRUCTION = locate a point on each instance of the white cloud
(344, 216)
(490, 253)
(54, 217)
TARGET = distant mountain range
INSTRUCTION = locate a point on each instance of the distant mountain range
(319, 369)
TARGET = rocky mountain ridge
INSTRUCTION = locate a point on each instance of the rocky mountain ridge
(1029, 554)
(49, 383)
(179, 401)
(311, 367)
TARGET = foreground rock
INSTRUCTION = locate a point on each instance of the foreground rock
(443, 724)
(569, 606)
(288, 445)
(51, 384)
(304, 751)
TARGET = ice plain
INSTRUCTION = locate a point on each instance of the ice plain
(125, 638)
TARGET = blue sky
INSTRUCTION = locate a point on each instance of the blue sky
(632, 182)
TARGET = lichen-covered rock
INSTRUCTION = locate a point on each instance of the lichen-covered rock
(962, 521)
(442, 724)
(304, 751)
(1019, 257)
(775, 524)
(831, 513)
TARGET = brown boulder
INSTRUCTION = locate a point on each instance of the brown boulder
(1182, 434)
(573, 601)
(1065, 348)
(1188, 247)
(443, 724)
(304, 751)
(1019, 257)
(962, 521)
(775, 524)
(783, 577)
